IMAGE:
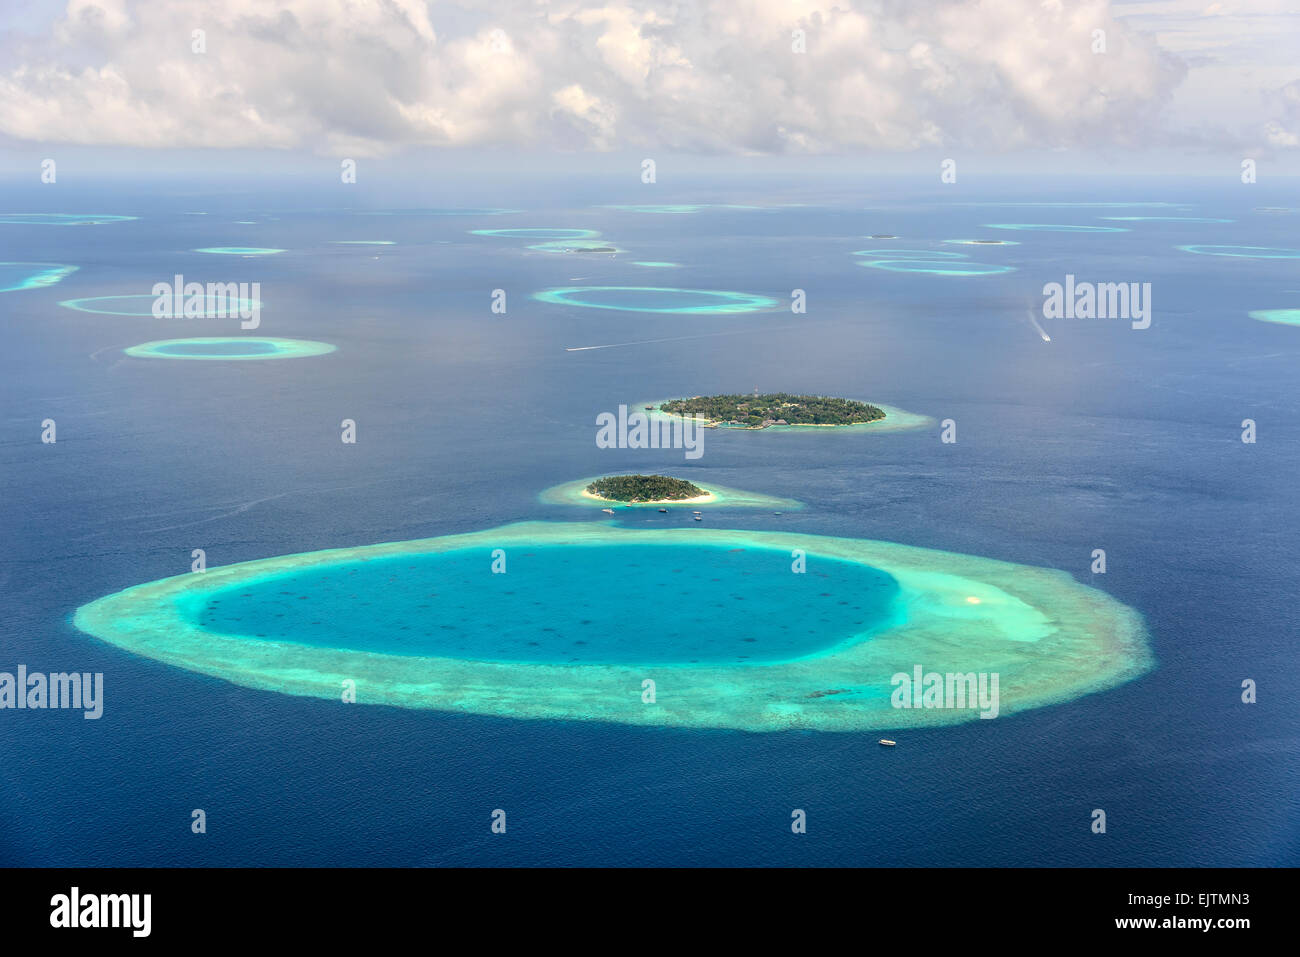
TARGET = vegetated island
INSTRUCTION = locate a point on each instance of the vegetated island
(646, 489)
(776, 408)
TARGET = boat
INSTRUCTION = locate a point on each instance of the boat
(887, 743)
(699, 518)
(663, 509)
(608, 511)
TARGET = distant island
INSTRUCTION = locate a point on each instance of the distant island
(776, 408)
(646, 489)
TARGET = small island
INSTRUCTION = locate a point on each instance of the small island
(776, 408)
(645, 489)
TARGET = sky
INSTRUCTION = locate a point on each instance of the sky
(1133, 81)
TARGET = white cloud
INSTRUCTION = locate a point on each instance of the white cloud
(364, 77)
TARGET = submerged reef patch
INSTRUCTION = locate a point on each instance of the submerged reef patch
(1166, 219)
(239, 250)
(676, 208)
(1056, 228)
(1285, 317)
(538, 232)
(16, 276)
(1243, 252)
(62, 219)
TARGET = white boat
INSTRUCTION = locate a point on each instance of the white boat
(608, 511)
(887, 743)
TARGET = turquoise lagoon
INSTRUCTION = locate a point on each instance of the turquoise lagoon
(636, 603)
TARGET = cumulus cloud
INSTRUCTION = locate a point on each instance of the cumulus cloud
(1284, 131)
(365, 77)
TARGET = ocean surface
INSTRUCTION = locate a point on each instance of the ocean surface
(1106, 436)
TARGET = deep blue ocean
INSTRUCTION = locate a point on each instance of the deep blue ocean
(1104, 437)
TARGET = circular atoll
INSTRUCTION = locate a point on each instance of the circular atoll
(934, 262)
(576, 246)
(937, 268)
(18, 276)
(676, 208)
(538, 232)
(229, 347)
(661, 299)
(576, 493)
(62, 219)
(223, 308)
(1285, 317)
(238, 250)
(568, 621)
(919, 255)
(1056, 228)
(1243, 252)
(1108, 205)
(437, 211)
(1166, 219)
